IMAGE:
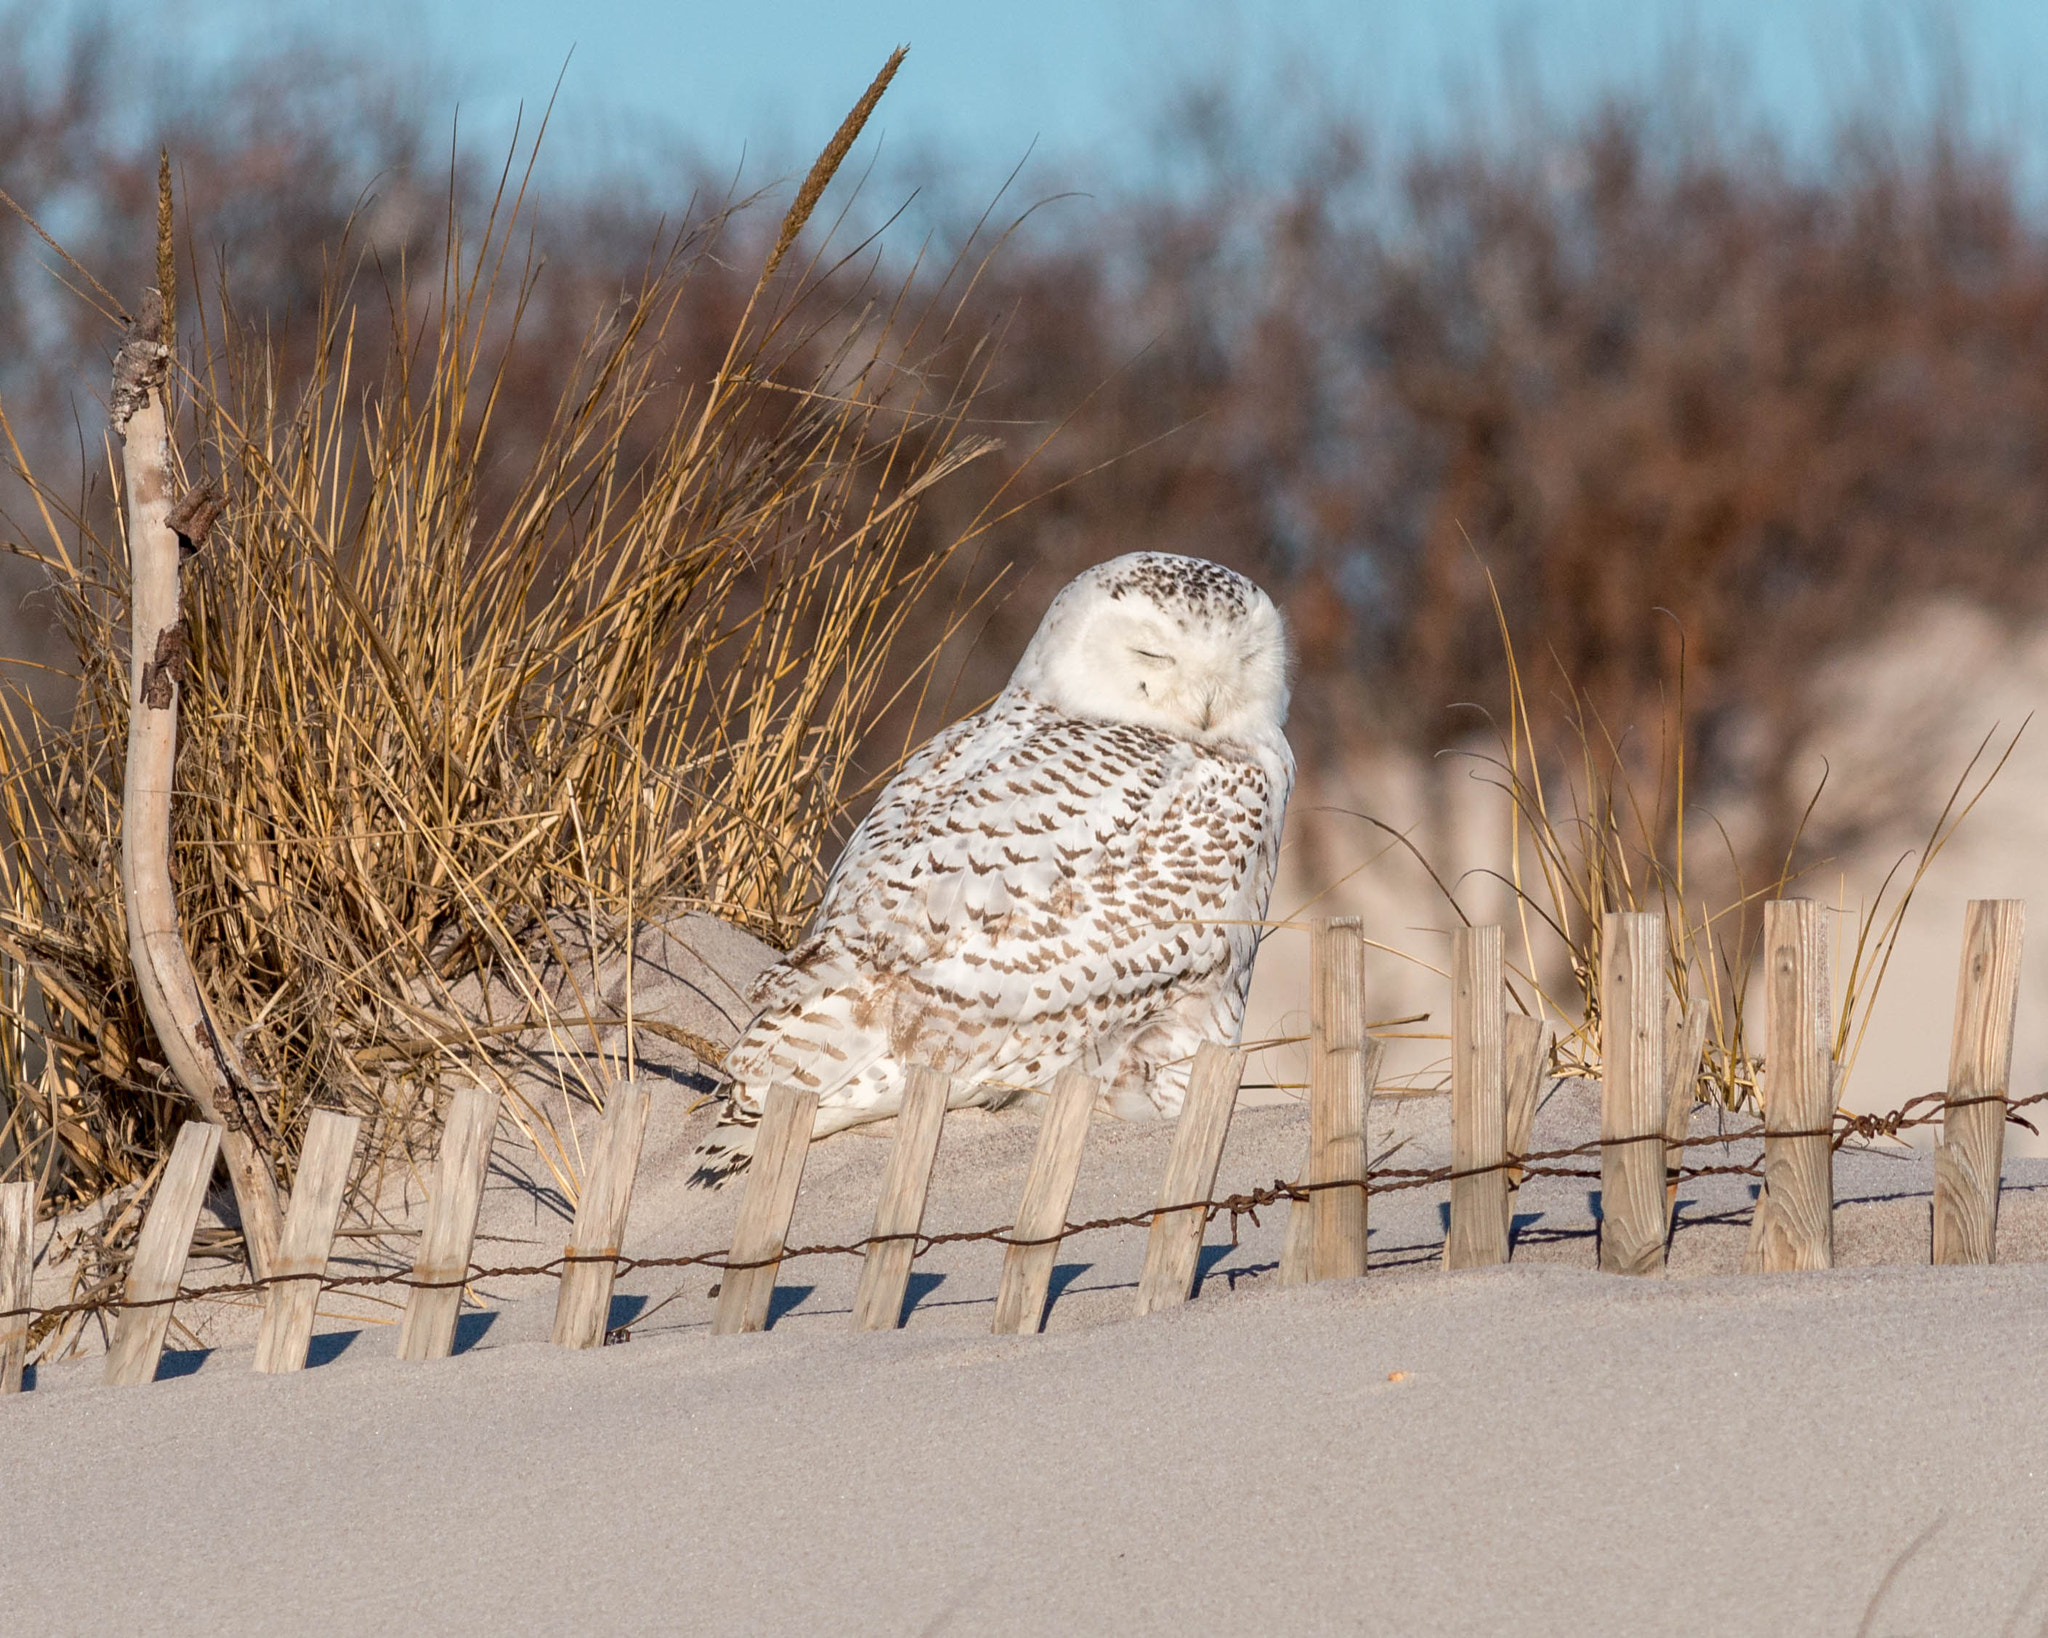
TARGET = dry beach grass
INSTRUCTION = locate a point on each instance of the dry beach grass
(430, 746)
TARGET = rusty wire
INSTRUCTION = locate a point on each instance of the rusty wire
(1240, 1205)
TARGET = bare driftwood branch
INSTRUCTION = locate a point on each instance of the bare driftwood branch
(200, 1054)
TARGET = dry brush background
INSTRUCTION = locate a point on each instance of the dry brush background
(573, 570)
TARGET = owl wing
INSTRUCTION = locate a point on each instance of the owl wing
(1030, 881)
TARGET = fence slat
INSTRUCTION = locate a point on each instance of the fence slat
(885, 1270)
(1971, 1154)
(781, 1143)
(290, 1306)
(1338, 1252)
(1632, 1092)
(1341, 1164)
(1794, 1223)
(583, 1300)
(1685, 1039)
(1173, 1249)
(1048, 1192)
(428, 1329)
(1343, 1064)
(1297, 1250)
(1479, 1202)
(1336, 1142)
(17, 1266)
(160, 1253)
(1526, 1052)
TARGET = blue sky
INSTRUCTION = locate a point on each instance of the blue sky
(1085, 79)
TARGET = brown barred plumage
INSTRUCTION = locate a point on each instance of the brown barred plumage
(1075, 875)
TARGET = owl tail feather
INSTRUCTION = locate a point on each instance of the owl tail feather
(727, 1150)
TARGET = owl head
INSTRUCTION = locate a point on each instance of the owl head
(1174, 643)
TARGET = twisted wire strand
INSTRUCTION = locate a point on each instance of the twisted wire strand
(1240, 1205)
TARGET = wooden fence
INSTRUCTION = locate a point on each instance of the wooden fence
(1651, 1061)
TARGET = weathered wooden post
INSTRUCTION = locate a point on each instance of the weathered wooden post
(1298, 1248)
(1173, 1249)
(428, 1329)
(1479, 1185)
(899, 1214)
(200, 1053)
(583, 1300)
(160, 1253)
(1526, 1053)
(292, 1302)
(1343, 1064)
(1794, 1222)
(1042, 1214)
(781, 1143)
(1685, 1037)
(1971, 1154)
(1632, 1092)
(17, 1265)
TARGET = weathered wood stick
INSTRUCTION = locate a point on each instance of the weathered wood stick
(160, 1253)
(1298, 1249)
(1173, 1248)
(1344, 1162)
(290, 1306)
(1971, 1155)
(200, 1054)
(1632, 1092)
(1343, 1064)
(885, 1270)
(583, 1300)
(1479, 1110)
(1048, 1192)
(1685, 1038)
(1794, 1225)
(1527, 1052)
(428, 1329)
(17, 1265)
(781, 1143)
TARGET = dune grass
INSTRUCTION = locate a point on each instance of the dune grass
(427, 726)
(1611, 833)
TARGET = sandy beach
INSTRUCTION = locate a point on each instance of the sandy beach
(1561, 1453)
(1539, 1446)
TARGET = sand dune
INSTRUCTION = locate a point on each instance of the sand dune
(1539, 1448)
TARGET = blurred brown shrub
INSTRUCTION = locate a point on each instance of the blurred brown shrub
(1627, 367)
(1627, 376)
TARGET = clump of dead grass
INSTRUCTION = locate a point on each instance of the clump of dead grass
(419, 733)
(1611, 833)
(1599, 821)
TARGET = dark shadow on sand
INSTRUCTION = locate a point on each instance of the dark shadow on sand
(181, 1362)
(1211, 1256)
(784, 1298)
(328, 1346)
(470, 1329)
(916, 1289)
(1063, 1275)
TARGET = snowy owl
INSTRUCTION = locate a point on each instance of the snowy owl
(1074, 875)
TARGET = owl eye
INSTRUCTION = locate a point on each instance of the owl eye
(1151, 659)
